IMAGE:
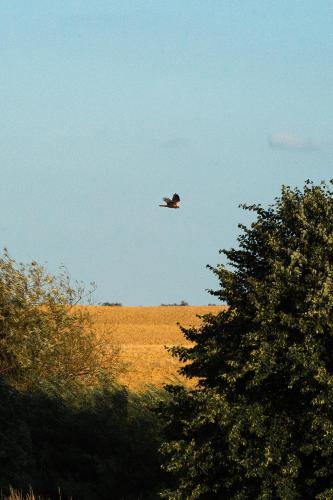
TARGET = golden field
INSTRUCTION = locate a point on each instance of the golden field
(141, 333)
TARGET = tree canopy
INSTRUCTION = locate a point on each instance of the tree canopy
(260, 422)
(46, 343)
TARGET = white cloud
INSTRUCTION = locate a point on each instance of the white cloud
(289, 141)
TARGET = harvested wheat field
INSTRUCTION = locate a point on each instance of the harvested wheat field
(142, 334)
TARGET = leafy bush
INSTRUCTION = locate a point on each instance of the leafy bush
(46, 343)
(102, 445)
(64, 425)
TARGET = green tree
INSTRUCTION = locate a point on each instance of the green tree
(45, 342)
(259, 425)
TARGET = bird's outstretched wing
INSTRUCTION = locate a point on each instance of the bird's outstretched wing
(171, 203)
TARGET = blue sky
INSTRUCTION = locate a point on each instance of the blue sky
(108, 106)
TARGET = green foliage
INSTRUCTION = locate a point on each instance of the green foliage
(104, 445)
(260, 423)
(45, 342)
(181, 303)
(112, 304)
(63, 425)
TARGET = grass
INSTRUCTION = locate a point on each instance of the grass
(18, 495)
(142, 334)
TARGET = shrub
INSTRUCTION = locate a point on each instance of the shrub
(102, 445)
(64, 424)
(46, 343)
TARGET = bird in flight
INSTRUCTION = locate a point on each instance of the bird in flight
(171, 203)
